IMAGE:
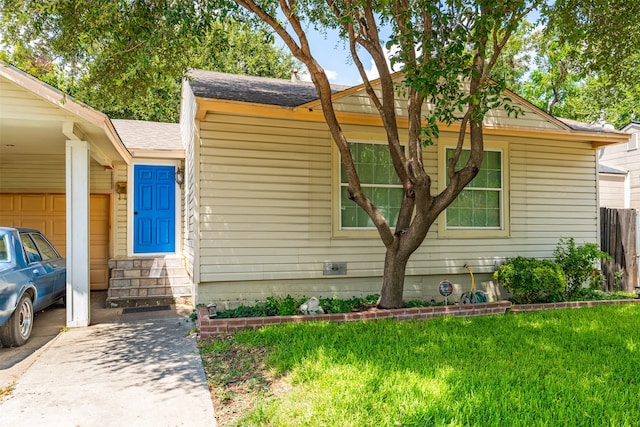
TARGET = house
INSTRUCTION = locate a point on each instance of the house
(265, 213)
(242, 199)
(620, 171)
(619, 191)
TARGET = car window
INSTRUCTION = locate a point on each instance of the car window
(30, 248)
(4, 253)
(46, 250)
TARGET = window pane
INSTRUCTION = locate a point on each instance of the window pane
(379, 181)
(45, 248)
(31, 251)
(365, 172)
(363, 220)
(4, 253)
(478, 205)
(453, 217)
(493, 218)
(479, 218)
(493, 159)
(494, 179)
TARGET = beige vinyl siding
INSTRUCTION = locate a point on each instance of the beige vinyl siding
(120, 214)
(46, 173)
(265, 207)
(25, 104)
(619, 157)
(264, 185)
(189, 134)
(611, 190)
(359, 102)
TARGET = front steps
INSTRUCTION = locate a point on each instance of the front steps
(148, 281)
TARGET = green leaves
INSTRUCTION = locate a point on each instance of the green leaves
(126, 58)
(580, 264)
(532, 280)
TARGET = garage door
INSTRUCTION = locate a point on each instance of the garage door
(46, 212)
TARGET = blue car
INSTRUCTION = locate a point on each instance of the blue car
(33, 276)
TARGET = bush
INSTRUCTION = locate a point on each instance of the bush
(532, 280)
(287, 306)
(579, 264)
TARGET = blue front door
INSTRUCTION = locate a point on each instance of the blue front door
(154, 216)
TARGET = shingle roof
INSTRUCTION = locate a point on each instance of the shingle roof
(142, 135)
(260, 90)
(576, 125)
(285, 93)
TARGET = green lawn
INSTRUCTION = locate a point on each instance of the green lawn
(571, 367)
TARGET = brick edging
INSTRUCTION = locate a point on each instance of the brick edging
(521, 308)
(210, 328)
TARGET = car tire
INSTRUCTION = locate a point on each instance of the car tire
(17, 330)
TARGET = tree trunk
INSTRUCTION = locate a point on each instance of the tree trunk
(395, 264)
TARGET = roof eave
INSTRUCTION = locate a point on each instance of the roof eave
(61, 100)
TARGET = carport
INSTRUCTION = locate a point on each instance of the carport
(52, 145)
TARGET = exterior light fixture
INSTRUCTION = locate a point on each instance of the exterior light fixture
(179, 176)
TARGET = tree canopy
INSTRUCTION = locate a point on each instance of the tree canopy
(126, 58)
(579, 62)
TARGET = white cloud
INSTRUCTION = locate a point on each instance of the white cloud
(306, 77)
(331, 75)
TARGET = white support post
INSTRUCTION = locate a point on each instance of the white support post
(77, 187)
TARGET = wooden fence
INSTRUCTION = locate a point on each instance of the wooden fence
(619, 239)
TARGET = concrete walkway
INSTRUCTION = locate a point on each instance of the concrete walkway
(127, 372)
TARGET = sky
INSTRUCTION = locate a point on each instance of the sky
(334, 56)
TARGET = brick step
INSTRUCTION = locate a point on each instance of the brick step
(146, 301)
(149, 293)
(148, 281)
(124, 282)
(147, 263)
(126, 273)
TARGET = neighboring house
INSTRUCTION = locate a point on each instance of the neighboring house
(243, 199)
(620, 171)
(266, 212)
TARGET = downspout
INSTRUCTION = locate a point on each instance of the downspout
(627, 190)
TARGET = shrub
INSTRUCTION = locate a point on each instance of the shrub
(532, 280)
(287, 306)
(579, 264)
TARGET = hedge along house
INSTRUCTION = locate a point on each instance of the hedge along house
(106, 192)
(266, 212)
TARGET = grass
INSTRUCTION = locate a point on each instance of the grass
(559, 367)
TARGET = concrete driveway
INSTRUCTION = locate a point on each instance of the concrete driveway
(139, 369)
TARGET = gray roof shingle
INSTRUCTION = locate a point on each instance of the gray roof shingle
(576, 125)
(285, 93)
(608, 169)
(259, 90)
(142, 135)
